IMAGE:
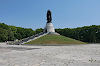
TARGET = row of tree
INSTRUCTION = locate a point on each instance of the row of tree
(10, 33)
(89, 34)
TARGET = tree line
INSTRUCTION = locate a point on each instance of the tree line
(90, 34)
(11, 33)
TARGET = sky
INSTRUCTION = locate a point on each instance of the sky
(65, 13)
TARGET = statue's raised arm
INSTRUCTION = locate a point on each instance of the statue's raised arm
(49, 17)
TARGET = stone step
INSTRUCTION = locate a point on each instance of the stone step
(25, 40)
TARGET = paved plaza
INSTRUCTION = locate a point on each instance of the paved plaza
(69, 55)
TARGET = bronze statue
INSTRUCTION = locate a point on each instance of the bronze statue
(49, 18)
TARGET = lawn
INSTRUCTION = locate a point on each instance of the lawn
(55, 39)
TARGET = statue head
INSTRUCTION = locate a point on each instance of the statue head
(49, 18)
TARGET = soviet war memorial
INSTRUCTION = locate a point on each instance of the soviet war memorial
(50, 36)
(49, 33)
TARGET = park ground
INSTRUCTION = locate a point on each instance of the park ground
(65, 55)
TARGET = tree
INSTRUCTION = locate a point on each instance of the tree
(39, 30)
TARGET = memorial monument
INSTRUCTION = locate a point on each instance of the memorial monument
(49, 26)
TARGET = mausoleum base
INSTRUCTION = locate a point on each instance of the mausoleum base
(53, 33)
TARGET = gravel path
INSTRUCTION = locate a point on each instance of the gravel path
(72, 55)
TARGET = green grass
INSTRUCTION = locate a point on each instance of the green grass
(55, 39)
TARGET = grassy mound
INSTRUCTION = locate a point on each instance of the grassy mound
(55, 39)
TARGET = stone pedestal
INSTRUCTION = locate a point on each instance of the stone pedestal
(49, 27)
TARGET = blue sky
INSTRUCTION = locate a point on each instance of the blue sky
(65, 13)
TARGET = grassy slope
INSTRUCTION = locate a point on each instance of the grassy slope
(55, 39)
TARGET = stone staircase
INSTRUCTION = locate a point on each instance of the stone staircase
(20, 42)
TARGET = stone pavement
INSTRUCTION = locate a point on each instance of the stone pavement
(69, 55)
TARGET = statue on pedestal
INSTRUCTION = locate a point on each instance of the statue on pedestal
(49, 26)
